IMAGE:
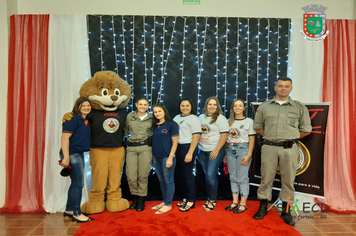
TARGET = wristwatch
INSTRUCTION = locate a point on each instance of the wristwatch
(173, 155)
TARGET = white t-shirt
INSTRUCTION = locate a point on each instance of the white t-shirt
(188, 125)
(240, 130)
(210, 135)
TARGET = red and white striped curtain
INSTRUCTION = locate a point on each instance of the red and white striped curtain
(26, 113)
(48, 62)
(339, 88)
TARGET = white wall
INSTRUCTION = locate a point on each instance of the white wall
(337, 9)
(6, 9)
(342, 9)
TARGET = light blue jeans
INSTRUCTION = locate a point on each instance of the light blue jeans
(210, 168)
(166, 178)
(238, 174)
(77, 183)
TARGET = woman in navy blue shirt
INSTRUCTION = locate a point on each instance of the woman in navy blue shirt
(74, 142)
(164, 145)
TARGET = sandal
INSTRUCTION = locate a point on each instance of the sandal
(206, 203)
(182, 203)
(238, 210)
(208, 208)
(186, 207)
(232, 206)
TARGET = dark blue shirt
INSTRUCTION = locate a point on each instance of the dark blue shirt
(162, 138)
(79, 142)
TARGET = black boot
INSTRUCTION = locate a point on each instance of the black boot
(140, 203)
(286, 216)
(134, 202)
(262, 211)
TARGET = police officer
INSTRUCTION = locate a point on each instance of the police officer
(139, 152)
(281, 121)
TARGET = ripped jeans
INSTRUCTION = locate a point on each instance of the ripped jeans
(238, 174)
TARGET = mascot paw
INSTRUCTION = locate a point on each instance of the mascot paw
(119, 205)
(93, 207)
(67, 117)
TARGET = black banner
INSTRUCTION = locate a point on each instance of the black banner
(310, 168)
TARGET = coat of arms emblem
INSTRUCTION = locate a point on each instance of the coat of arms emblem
(314, 23)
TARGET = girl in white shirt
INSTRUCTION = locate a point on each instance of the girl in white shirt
(215, 130)
(240, 144)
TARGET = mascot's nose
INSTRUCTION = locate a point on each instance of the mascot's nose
(114, 97)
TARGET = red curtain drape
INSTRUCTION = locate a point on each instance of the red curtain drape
(339, 88)
(26, 112)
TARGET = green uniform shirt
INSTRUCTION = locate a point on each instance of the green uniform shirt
(139, 129)
(282, 122)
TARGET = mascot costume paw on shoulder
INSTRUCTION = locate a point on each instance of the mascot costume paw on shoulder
(108, 94)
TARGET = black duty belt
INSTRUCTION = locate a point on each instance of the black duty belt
(285, 144)
(135, 144)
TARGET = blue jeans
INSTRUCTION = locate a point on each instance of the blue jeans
(166, 178)
(210, 168)
(238, 174)
(77, 183)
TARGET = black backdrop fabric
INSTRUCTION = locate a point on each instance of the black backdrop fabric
(164, 58)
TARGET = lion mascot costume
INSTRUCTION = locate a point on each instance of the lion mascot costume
(108, 94)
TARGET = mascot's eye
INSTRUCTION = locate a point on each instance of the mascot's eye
(117, 92)
(105, 92)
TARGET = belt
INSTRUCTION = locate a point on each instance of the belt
(135, 144)
(285, 144)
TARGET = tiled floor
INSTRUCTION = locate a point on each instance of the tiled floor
(327, 224)
(54, 224)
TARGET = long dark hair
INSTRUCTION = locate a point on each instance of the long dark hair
(167, 117)
(191, 104)
(217, 112)
(78, 104)
(232, 113)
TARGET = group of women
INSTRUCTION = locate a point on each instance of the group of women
(172, 145)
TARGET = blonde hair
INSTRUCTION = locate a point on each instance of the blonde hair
(232, 113)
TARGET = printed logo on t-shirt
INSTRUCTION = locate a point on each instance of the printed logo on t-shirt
(234, 134)
(111, 125)
(205, 129)
(164, 131)
(181, 122)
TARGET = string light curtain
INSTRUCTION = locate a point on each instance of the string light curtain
(164, 58)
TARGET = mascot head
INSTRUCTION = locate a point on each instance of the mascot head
(106, 91)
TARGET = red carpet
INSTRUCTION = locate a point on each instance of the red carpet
(196, 222)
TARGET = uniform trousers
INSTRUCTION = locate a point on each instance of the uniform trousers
(138, 167)
(287, 159)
